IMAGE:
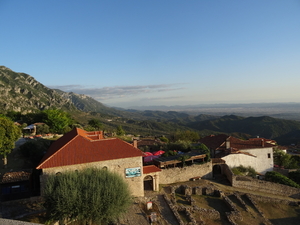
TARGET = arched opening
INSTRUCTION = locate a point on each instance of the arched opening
(148, 183)
(104, 168)
(217, 171)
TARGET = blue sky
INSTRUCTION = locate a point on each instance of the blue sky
(132, 52)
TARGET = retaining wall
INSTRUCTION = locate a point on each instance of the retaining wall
(181, 174)
(259, 185)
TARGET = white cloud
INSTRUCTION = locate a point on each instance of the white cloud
(117, 92)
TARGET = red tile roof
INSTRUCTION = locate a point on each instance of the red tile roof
(218, 142)
(150, 169)
(11, 177)
(79, 146)
(214, 141)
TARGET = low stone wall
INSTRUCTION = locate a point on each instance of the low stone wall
(15, 222)
(251, 199)
(179, 174)
(284, 172)
(259, 185)
(265, 186)
(275, 200)
(227, 171)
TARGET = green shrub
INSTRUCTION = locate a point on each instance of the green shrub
(236, 171)
(281, 179)
(244, 171)
(295, 176)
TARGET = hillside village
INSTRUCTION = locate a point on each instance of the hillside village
(80, 149)
(180, 169)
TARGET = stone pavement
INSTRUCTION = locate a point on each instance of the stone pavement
(135, 216)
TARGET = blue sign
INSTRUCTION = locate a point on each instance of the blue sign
(133, 172)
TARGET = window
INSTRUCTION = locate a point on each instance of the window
(269, 155)
(104, 168)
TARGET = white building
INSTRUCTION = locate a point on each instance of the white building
(255, 152)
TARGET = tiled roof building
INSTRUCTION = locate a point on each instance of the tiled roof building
(79, 149)
(255, 152)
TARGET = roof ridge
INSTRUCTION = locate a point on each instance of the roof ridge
(52, 155)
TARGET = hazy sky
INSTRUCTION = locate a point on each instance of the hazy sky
(157, 52)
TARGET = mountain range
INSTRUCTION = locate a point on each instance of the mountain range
(22, 93)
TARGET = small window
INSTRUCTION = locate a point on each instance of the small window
(269, 155)
(104, 168)
(58, 173)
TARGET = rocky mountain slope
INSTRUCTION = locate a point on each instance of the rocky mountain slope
(20, 92)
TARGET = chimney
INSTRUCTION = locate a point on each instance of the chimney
(101, 135)
(262, 143)
(135, 143)
(227, 143)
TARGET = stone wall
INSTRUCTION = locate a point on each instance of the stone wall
(179, 174)
(284, 172)
(15, 222)
(259, 185)
(265, 186)
(117, 165)
(227, 172)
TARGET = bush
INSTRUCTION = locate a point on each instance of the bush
(34, 150)
(281, 179)
(244, 171)
(295, 176)
(89, 196)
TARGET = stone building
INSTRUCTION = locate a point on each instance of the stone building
(80, 149)
(255, 152)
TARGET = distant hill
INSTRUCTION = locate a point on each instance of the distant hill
(22, 93)
(284, 131)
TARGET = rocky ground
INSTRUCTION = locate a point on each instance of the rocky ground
(139, 215)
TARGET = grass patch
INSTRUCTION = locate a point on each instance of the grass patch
(280, 214)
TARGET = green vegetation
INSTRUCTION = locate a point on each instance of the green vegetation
(164, 139)
(295, 176)
(186, 135)
(281, 179)
(42, 129)
(285, 160)
(87, 196)
(96, 124)
(120, 131)
(34, 150)
(244, 171)
(58, 120)
(202, 148)
(183, 158)
(9, 133)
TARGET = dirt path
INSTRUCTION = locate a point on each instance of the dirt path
(135, 216)
(166, 212)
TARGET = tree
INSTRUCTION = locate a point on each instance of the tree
(13, 115)
(42, 129)
(202, 148)
(186, 136)
(34, 150)
(96, 124)
(57, 120)
(87, 196)
(9, 134)
(180, 145)
(164, 139)
(281, 179)
(120, 131)
(183, 158)
(285, 160)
